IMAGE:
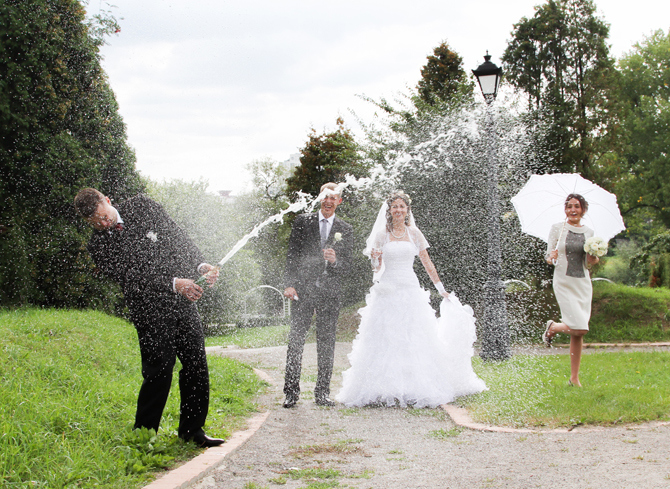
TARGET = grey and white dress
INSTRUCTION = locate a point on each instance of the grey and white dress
(572, 281)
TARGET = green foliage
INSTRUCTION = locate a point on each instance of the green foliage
(328, 157)
(659, 275)
(528, 311)
(102, 24)
(560, 59)
(145, 451)
(645, 164)
(59, 131)
(446, 434)
(619, 314)
(443, 78)
(532, 390)
(68, 397)
(215, 226)
(658, 244)
(653, 258)
(617, 265)
(314, 474)
(268, 178)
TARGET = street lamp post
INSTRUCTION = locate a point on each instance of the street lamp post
(495, 334)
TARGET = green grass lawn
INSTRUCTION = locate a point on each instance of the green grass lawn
(68, 396)
(70, 381)
(252, 337)
(533, 390)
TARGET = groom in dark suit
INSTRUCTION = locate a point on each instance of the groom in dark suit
(137, 245)
(319, 254)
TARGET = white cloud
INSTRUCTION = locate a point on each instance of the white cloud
(207, 86)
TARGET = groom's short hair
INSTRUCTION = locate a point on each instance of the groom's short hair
(330, 186)
(87, 201)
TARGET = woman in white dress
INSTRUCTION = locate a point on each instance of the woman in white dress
(403, 355)
(572, 281)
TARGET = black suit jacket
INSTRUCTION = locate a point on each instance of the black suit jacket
(147, 254)
(304, 261)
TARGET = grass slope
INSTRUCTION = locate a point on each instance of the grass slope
(67, 403)
(629, 314)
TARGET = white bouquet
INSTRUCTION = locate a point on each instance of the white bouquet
(595, 246)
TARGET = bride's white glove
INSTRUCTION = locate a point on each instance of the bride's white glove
(440, 288)
(376, 259)
(450, 296)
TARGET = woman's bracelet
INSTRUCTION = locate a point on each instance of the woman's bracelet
(440, 288)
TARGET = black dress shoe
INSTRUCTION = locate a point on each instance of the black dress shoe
(203, 440)
(324, 401)
(290, 401)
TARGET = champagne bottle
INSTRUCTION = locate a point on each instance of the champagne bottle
(202, 281)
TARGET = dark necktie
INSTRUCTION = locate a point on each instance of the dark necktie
(118, 227)
(324, 232)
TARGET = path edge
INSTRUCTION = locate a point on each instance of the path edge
(199, 467)
(461, 417)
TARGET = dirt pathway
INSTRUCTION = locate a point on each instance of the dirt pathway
(396, 448)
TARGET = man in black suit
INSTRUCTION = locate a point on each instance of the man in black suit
(319, 254)
(137, 245)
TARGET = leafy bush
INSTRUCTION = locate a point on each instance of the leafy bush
(60, 131)
(617, 265)
(653, 259)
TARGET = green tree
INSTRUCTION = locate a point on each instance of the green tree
(644, 179)
(443, 78)
(560, 59)
(327, 157)
(268, 178)
(59, 131)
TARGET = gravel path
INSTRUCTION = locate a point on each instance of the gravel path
(398, 448)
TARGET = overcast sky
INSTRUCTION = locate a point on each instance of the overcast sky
(207, 86)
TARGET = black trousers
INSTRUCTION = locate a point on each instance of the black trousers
(165, 333)
(327, 309)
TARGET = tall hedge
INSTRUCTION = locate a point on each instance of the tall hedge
(60, 130)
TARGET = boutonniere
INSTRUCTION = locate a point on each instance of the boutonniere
(337, 237)
(152, 236)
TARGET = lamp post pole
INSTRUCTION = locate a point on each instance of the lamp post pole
(495, 334)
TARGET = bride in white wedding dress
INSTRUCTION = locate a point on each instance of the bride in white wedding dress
(403, 355)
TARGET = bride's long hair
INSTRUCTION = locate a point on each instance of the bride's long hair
(398, 194)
